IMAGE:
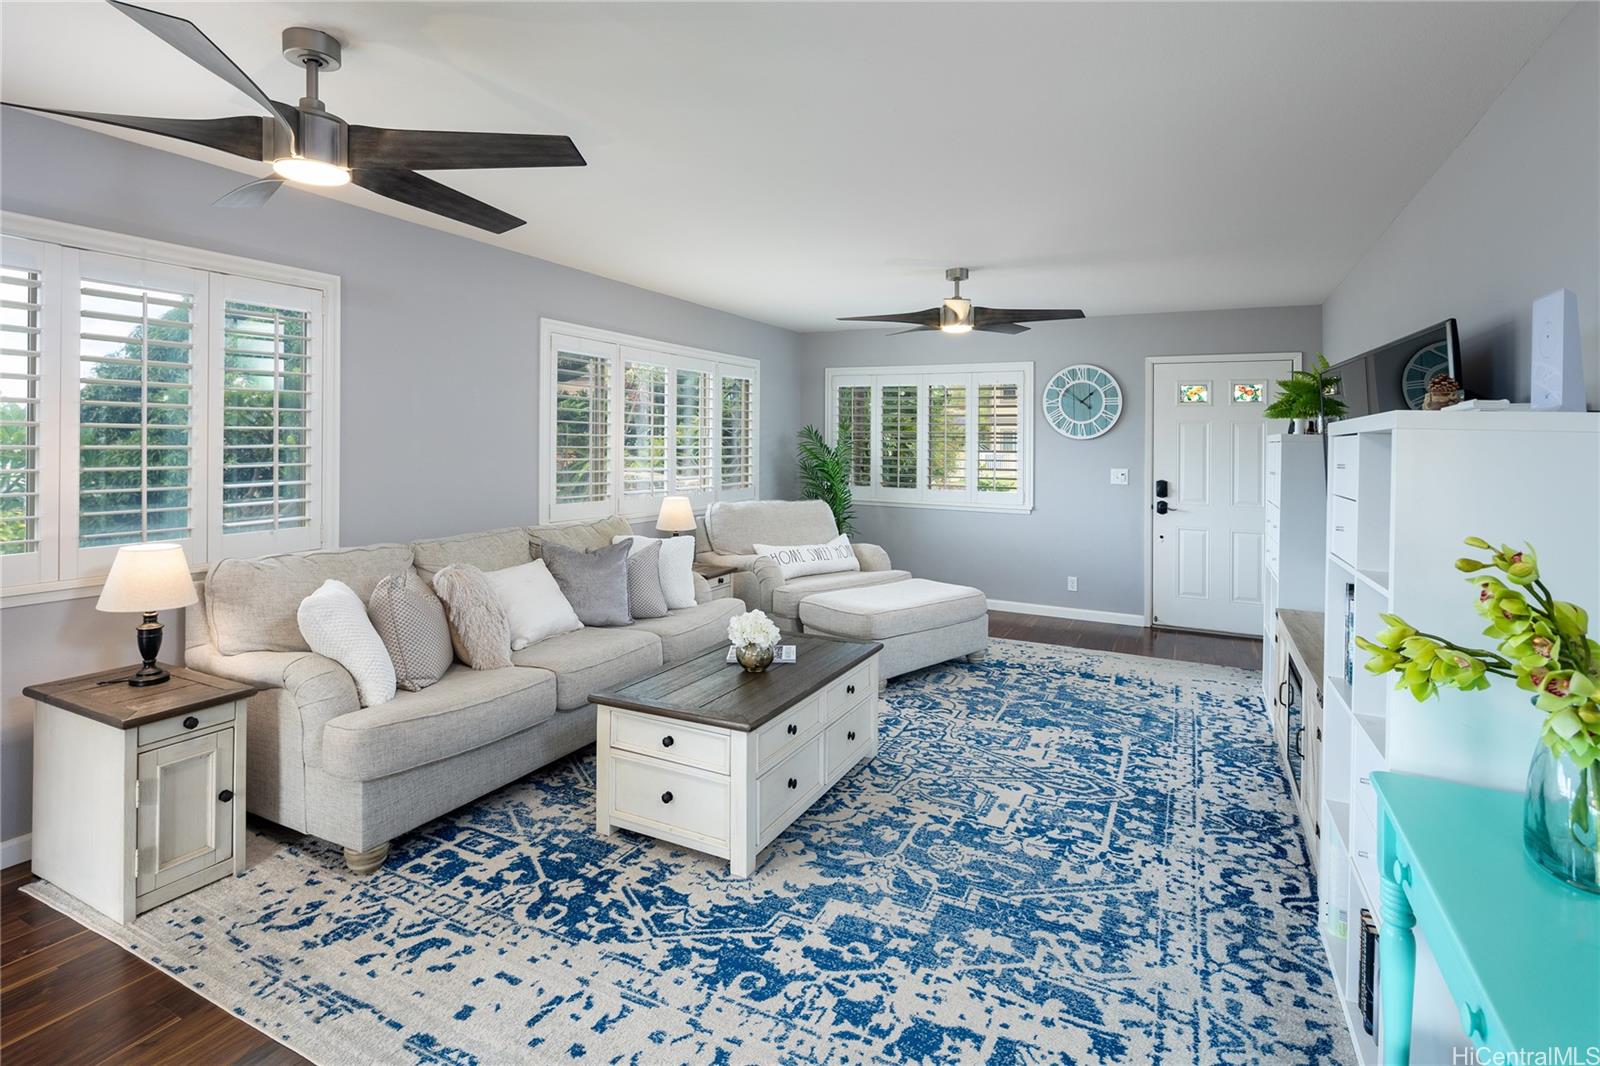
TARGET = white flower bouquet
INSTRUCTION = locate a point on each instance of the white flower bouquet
(752, 629)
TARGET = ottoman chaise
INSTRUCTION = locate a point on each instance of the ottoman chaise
(918, 622)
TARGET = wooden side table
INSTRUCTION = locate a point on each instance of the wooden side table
(720, 578)
(138, 793)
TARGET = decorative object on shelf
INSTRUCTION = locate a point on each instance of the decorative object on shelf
(1557, 372)
(1307, 398)
(1082, 401)
(825, 473)
(1420, 370)
(753, 637)
(144, 579)
(1544, 646)
(677, 515)
(1443, 391)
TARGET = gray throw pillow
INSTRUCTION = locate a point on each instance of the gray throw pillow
(646, 597)
(478, 626)
(410, 621)
(594, 582)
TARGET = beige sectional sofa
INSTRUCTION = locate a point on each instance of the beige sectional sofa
(320, 763)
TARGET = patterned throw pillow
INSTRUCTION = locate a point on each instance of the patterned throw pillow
(646, 598)
(410, 620)
(334, 623)
(594, 582)
(478, 626)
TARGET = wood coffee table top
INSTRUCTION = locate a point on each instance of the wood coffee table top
(708, 690)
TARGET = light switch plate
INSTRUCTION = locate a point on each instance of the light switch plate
(1119, 475)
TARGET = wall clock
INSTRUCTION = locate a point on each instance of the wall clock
(1082, 401)
(1427, 364)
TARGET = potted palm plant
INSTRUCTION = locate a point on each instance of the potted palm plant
(1308, 397)
(825, 473)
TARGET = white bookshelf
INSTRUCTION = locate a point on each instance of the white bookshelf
(1294, 554)
(1404, 489)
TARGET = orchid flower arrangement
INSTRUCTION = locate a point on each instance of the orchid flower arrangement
(1542, 643)
(752, 628)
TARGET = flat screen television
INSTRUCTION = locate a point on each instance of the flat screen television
(1395, 376)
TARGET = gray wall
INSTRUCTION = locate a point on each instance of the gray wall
(439, 426)
(1081, 525)
(1514, 213)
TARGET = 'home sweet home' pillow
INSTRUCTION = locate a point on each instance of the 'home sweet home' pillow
(798, 560)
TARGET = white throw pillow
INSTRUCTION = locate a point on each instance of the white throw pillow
(534, 604)
(677, 566)
(334, 623)
(798, 560)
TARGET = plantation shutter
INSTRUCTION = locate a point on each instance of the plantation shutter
(267, 445)
(29, 277)
(644, 431)
(692, 434)
(899, 443)
(853, 421)
(136, 418)
(947, 475)
(584, 445)
(999, 439)
(737, 458)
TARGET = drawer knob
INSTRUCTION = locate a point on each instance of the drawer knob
(225, 796)
(793, 783)
(191, 722)
(666, 797)
(1473, 1022)
(793, 729)
(667, 741)
(850, 735)
(850, 690)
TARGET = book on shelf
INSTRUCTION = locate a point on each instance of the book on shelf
(1350, 635)
(1366, 989)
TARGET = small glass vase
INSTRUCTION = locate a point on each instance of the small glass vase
(1561, 818)
(754, 658)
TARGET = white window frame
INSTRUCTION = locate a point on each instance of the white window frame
(62, 570)
(33, 568)
(971, 375)
(622, 348)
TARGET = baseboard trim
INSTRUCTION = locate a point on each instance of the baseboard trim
(1082, 614)
(15, 850)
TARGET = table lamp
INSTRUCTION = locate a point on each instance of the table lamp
(677, 516)
(144, 579)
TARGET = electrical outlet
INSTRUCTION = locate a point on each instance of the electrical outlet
(1072, 584)
(1119, 475)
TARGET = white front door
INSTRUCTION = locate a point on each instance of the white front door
(1207, 437)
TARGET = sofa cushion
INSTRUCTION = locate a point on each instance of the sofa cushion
(584, 536)
(786, 597)
(253, 603)
(592, 660)
(496, 549)
(463, 710)
(734, 528)
(882, 611)
(693, 630)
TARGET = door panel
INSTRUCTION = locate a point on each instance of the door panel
(184, 826)
(1208, 441)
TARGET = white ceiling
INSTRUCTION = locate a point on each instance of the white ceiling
(796, 162)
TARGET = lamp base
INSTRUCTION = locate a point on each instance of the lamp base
(149, 638)
(149, 674)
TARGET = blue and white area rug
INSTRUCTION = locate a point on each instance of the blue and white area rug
(1057, 856)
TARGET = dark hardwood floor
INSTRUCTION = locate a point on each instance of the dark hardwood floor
(70, 996)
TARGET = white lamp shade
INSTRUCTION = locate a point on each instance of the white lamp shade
(677, 516)
(147, 577)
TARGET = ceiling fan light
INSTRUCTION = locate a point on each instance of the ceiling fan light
(311, 171)
(956, 316)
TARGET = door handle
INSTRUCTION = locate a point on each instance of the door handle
(1161, 489)
(1161, 507)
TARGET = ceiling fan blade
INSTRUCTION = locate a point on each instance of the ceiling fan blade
(1000, 327)
(253, 194)
(418, 191)
(375, 146)
(915, 329)
(983, 315)
(240, 135)
(929, 318)
(187, 38)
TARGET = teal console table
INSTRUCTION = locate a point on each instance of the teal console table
(1519, 950)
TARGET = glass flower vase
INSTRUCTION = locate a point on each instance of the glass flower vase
(753, 657)
(1561, 818)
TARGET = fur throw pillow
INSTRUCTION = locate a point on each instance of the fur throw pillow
(478, 626)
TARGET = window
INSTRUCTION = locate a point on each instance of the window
(1194, 392)
(953, 436)
(1248, 391)
(628, 421)
(169, 396)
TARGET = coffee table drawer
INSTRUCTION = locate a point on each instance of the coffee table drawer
(788, 785)
(849, 690)
(847, 738)
(786, 732)
(663, 738)
(684, 800)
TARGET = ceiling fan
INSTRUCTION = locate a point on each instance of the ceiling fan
(308, 145)
(958, 315)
